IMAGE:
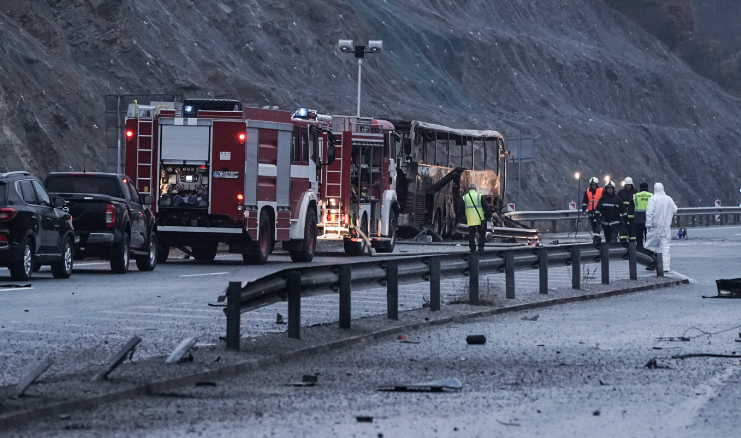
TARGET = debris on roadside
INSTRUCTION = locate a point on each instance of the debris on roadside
(404, 340)
(445, 385)
(532, 318)
(653, 364)
(476, 339)
(596, 413)
(364, 419)
(306, 380)
(279, 319)
(511, 423)
(206, 383)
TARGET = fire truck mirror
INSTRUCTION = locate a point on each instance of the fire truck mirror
(407, 144)
(148, 200)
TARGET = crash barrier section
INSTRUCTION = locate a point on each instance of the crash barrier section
(292, 284)
(691, 216)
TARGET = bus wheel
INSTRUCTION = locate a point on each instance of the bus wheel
(308, 244)
(261, 250)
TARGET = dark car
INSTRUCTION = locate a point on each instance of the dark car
(111, 219)
(33, 230)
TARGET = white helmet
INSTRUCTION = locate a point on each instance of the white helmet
(628, 180)
(593, 180)
(610, 183)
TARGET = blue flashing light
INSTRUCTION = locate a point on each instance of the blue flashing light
(177, 199)
(302, 112)
(192, 200)
(188, 108)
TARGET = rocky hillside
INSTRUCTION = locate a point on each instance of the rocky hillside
(599, 94)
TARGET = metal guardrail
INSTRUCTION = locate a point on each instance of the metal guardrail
(293, 283)
(705, 215)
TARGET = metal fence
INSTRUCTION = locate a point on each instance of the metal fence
(292, 284)
(693, 216)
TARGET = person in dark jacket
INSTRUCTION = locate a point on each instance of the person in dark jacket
(612, 211)
(627, 230)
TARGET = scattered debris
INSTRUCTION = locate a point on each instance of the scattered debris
(306, 380)
(65, 417)
(686, 356)
(39, 369)
(178, 355)
(279, 319)
(508, 424)
(212, 384)
(117, 359)
(673, 338)
(3, 286)
(445, 385)
(364, 419)
(533, 318)
(653, 364)
(596, 413)
(603, 383)
(476, 339)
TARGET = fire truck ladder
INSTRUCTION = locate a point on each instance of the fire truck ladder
(145, 147)
(336, 210)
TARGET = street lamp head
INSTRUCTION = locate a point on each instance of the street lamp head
(346, 46)
(607, 178)
(375, 46)
(577, 175)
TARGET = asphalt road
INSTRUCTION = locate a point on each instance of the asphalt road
(577, 370)
(78, 320)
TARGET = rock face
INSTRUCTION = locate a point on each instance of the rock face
(599, 94)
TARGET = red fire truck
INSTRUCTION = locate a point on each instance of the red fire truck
(357, 199)
(221, 173)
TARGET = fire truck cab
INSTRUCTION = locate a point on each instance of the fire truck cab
(221, 173)
(357, 192)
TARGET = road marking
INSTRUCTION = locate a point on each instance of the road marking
(17, 288)
(201, 275)
(156, 314)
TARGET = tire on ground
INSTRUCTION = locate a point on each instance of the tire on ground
(120, 256)
(63, 267)
(260, 250)
(21, 270)
(149, 261)
(308, 244)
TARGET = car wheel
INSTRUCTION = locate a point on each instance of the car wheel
(22, 269)
(149, 261)
(308, 244)
(120, 256)
(261, 250)
(63, 268)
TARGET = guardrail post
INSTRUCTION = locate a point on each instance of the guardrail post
(576, 267)
(392, 289)
(659, 264)
(632, 260)
(294, 304)
(509, 273)
(735, 219)
(707, 220)
(435, 284)
(553, 226)
(345, 296)
(233, 315)
(543, 268)
(605, 259)
(722, 219)
(473, 278)
(693, 220)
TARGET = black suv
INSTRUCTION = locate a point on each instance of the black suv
(33, 230)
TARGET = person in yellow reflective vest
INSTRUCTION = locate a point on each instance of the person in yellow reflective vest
(477, 213)
(640, 202)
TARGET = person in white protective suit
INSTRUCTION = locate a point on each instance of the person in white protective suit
(659, 214)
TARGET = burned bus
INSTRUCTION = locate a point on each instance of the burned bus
(435, 165)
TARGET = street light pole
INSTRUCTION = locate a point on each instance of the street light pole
(374, 46)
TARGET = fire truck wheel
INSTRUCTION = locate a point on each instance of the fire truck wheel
(308, 245)
(355, 249)
(149, 261)
(120, 256)
(162, 253)
(388, 246)
(205, 253)
(261, 250)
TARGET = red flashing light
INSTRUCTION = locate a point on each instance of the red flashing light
(125, 180)
(4, 238)
(240, 197)
(7, 213)
(110, 215)
(129, 135)
(242, 137)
